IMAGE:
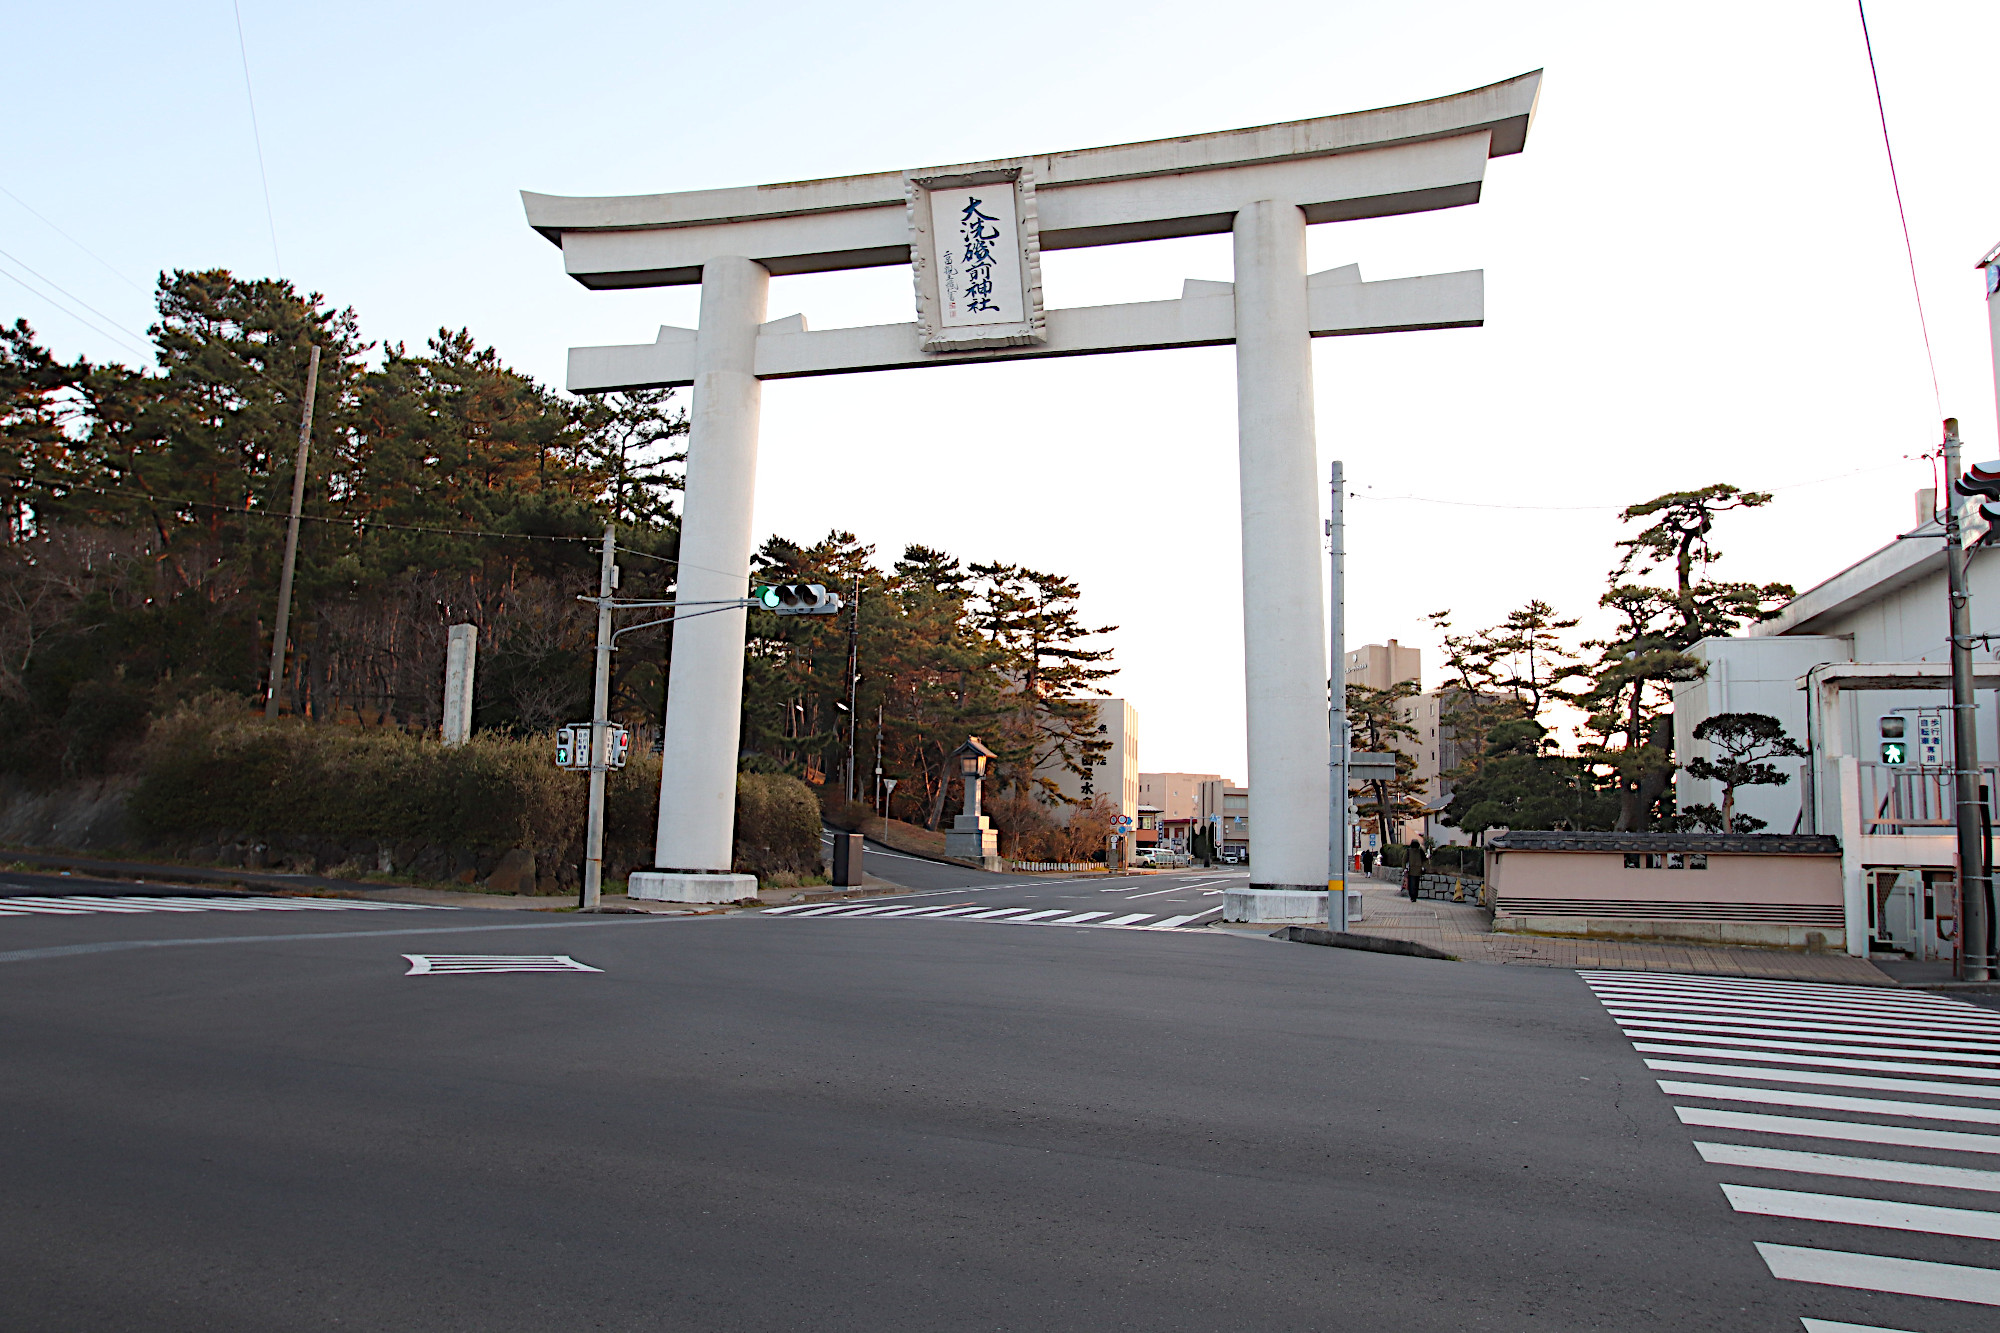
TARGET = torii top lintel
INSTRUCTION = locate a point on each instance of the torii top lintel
(1402, 159)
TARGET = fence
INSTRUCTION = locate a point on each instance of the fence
(1899, 798)
(1021, 867)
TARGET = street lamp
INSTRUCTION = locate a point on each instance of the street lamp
(972, 837)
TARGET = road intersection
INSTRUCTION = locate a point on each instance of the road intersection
(275, 1119)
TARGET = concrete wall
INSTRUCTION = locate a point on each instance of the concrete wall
(1780, 901)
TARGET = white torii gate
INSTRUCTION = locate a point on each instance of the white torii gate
(973, 235)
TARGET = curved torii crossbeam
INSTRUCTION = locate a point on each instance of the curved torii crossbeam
(973, 234)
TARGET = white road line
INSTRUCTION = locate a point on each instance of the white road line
(988, 916)
(873, 911)
(1977, 1115)
(1825, 1080)
(1887, 1002)
(1795, 1007)
(1126, 920)
(822, 911)
(795, 907)
(1037, 916)
(1969, 1051)
(1874, 1272)
(1155, 893)
(1927, 1029)
(1850, 1168)
(1831, 1326)
(1176, 922)
(1899, 1049)
(1828, 1061)
(1080, 916)
(1886, 1213)
(1786, 1009)
(1847, 1131)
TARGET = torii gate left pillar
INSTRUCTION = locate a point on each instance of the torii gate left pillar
(1262, 185)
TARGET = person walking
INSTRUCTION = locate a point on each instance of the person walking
(1367, 860)
(1413, 869)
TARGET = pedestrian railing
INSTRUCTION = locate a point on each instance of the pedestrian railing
(1022, 867)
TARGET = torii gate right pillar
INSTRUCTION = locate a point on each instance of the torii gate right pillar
(1284, 639)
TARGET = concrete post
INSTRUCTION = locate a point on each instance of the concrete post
(461, 654)
(705, 682)
(1284, 643)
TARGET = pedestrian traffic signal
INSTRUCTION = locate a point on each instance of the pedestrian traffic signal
(1983, 480)
(796, 599)
(1894, 752)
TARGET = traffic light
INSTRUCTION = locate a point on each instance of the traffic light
(1894, 752)
(796, 599)
(1983, 480)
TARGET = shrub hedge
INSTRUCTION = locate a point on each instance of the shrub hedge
(211, 773)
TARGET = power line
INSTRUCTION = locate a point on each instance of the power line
(257, 137)
(83, 320)
(64, 290)
(73, 241)
(1882, 114)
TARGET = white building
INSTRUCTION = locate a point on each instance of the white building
(1857, 669)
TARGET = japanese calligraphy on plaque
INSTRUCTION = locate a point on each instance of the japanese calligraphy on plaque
(975, 256)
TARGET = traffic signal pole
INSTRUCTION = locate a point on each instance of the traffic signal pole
(1974, 877)
(600, 708)
(1336, 844)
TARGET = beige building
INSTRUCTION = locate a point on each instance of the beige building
(1380, 665)
(1175, 795)
(1116, 773)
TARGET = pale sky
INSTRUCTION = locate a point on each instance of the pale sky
(1694, 273)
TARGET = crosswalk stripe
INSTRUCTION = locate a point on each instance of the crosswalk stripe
(1834, 1062)
(1755, 985)
(997, 912)
(1849, 1168)
(1899, 1007)
(1823, 1079)
(1886, 1213)
(1981, 1053)
(795, 907)
(1795, 1009)
(1767, 1022)
(1813, 995)
(1848, 1131)
(1875, 1272)
(1037, 916)
(1127, 920)
(1979, 1115)
(1079, 917)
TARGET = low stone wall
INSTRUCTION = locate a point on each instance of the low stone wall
(1762, 934)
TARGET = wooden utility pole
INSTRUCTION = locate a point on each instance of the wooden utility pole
(292, 541)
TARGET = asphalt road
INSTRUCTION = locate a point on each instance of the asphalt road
(761, 1122)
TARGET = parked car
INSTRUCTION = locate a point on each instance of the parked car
(1234, 856)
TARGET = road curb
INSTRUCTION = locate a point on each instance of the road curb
(1342, 939)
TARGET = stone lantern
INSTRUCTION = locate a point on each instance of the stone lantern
(971, 837)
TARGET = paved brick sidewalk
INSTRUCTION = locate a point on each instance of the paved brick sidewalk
(1466, 930)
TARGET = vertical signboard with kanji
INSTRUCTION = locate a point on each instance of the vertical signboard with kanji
(975, 254)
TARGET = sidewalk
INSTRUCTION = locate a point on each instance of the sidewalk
(1467, 930)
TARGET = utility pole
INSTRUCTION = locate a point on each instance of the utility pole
(600, 707)
(1336, 849)
(853, 682)
(284, 627)
(1974, 899)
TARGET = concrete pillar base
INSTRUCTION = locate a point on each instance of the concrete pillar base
(1289, 903)
(673, 886)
